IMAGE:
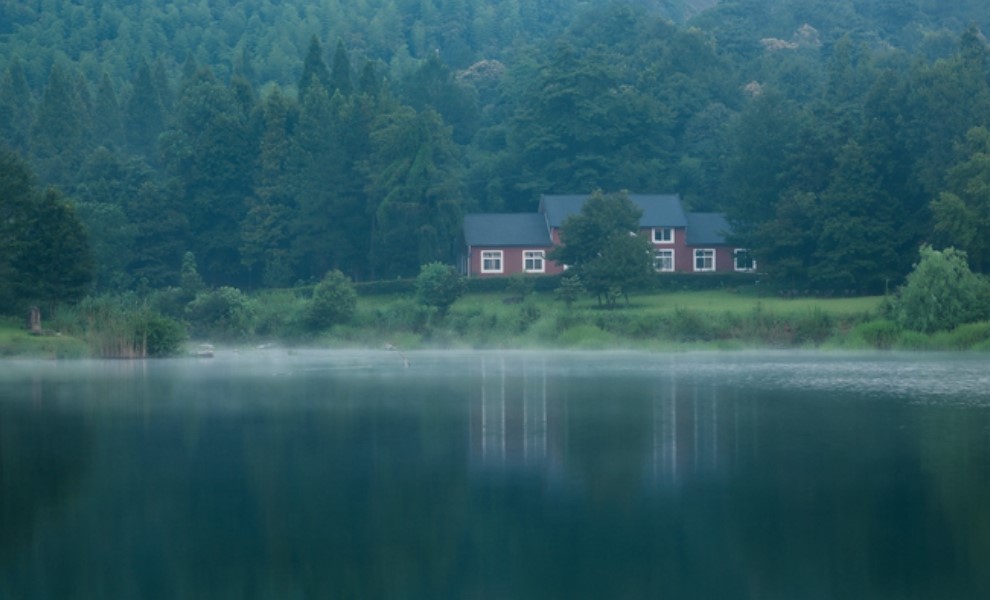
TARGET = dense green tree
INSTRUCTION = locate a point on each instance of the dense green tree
(785, 244)
(44, 250)
(857, 242)
(54, 263)
(161, 234)
(415, 191)
(888, 149)
(585, 124)
(765, 138)
(433, 85)
(17, 195)
(318, 161)
(266, 231)
(602, 247)
(210, 151)
(962, 212)
(948, 98)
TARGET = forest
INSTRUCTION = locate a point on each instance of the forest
(272, 141)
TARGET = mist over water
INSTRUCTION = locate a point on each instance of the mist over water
(274, 474)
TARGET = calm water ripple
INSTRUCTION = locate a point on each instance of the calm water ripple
(310, 474)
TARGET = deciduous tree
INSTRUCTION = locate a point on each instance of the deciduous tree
(603, 247)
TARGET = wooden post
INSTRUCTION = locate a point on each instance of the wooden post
(34, 320)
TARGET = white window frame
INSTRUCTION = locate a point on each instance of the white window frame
(660, 235)
(535, 255)
(494, 255)
(735, 261)
(704, 253)
(669, 252)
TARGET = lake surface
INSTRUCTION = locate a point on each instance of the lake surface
(270, 474)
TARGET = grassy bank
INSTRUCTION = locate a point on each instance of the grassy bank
(16, 340)
(719, 319)
(715, 319)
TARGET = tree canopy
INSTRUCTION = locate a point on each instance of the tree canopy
(278, 141)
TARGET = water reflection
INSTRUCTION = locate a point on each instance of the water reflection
(519, 422)
(494, 475)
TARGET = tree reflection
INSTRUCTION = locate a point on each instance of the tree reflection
(44, 453)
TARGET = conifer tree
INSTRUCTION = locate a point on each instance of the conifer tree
(57, 135)
(415, 191)
(108, 127)
(144, 118)
(266, 233)
(340, 75)
(16, 108)
(55, 264)
(314, 69)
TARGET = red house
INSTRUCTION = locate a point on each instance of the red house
(504, 244)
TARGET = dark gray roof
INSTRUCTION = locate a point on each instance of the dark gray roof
(707, 229)
(659, 210)
(509, 229)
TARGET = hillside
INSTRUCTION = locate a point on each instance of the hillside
(265, 143)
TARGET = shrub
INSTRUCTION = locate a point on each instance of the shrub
(942, 293)
(882, 334)
(170, 301)
(970, 335)
(281, 314)
(334, 301)
(528, 314)
(491, 285)
(815, 326)
(913, 340)
(386, 287)
(585, 336)
(403, 315)
(160, 335)
(439, 286)
(225, 312)
(689, 326)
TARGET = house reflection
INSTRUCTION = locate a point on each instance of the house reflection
(696, 435)
(513, 425)
(686, 433)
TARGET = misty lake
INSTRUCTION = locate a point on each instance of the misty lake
(270, 474)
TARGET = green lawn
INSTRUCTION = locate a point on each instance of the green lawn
(705, 302)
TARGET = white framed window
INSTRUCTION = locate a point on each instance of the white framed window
(704, 259)
(491, 261)
(663, 260)
(742, 260)
(533, 261)
(663, 235)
